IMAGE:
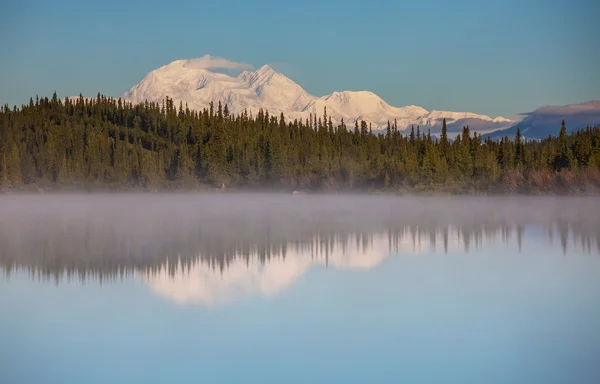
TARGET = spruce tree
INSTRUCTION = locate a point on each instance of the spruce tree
(444, 138)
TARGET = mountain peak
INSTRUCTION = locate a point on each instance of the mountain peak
(265, 74)
(265, 70)
(244, 75)
(176, 63)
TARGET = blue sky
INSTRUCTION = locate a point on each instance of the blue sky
(497, 58)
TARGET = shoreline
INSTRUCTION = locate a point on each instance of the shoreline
(33, 190)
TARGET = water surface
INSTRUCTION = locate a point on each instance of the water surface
(299, 289)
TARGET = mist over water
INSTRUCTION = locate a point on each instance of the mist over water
(487, 289)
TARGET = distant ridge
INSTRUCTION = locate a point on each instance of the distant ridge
(547, 120)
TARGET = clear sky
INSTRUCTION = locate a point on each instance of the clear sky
(491, 57)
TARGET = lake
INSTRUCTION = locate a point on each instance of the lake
(272, 288)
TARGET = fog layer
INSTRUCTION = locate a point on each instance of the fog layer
(111, 235)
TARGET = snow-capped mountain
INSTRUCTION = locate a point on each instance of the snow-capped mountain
(270, 90)
(264, 88)
(363, 105)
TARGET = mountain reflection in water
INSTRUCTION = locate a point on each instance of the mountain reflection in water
(207, 249)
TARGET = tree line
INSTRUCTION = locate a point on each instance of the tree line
(107, 143)
(96, 250)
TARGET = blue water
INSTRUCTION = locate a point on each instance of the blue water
(414, 313)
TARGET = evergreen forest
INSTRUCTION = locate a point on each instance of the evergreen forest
(103, 143)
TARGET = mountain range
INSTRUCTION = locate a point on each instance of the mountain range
(196, 86)
(270, 90)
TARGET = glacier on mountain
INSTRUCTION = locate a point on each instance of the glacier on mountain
(196, 86)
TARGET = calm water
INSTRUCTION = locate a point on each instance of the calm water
(299, 289)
